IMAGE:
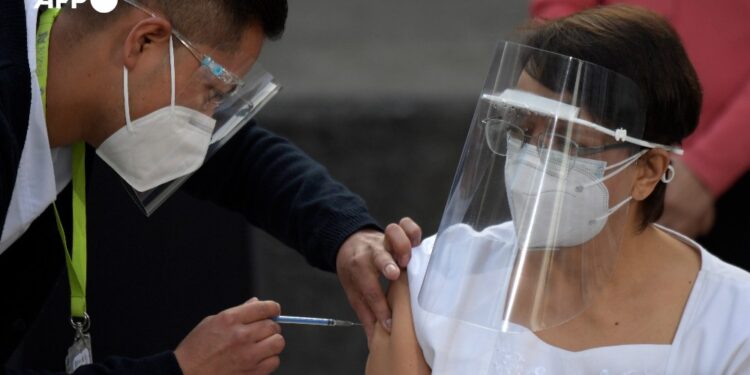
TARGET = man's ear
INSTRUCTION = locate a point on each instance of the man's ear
(650, 168)
(144, 36)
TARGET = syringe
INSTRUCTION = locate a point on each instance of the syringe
(286, 319)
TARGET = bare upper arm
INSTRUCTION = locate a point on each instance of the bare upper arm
(397, 352)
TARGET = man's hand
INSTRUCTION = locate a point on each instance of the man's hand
(239, 340)
(367, 254)
(688, 205)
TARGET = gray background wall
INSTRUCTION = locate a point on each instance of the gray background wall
(382, 93)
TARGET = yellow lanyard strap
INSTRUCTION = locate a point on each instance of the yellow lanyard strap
(42, 49)
(76, 266)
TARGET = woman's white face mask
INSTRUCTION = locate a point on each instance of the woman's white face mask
(157, 148)
(578, 217)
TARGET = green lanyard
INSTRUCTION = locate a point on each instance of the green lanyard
(77, 265)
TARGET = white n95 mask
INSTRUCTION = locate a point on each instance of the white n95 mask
(574, 204)
(166, 144)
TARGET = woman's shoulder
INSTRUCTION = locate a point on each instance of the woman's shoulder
(449, 344)
(723, 290)
(455, 235)
(725, 275)
(715, 335)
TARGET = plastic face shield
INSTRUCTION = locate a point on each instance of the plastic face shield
(215, 91)
(232, 113)
(538, 207)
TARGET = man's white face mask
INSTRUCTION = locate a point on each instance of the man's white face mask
(535, 197)
(166, 144)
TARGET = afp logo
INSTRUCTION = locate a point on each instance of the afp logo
(101, 6)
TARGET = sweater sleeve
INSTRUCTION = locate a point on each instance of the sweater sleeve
(281, 190)
(720, 157)
(161, 364)
(552, 9)
(15, 96)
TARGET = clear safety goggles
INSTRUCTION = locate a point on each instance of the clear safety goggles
(211, 84)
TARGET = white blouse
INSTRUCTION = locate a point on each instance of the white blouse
(713, 336)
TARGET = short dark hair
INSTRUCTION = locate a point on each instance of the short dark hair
(223, 19)
(215, 22)
(642, 46)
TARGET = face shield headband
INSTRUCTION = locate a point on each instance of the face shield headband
(566, 112)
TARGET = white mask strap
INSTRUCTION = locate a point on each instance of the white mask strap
(171, 67)
(612, 210)
(626, 161)
(127, 99)
(621, 165)
(125, 92)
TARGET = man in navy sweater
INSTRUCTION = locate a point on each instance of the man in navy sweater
(95, 62)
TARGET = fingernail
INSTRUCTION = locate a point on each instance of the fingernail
(391, 270)
(254, 299)
(387, 324)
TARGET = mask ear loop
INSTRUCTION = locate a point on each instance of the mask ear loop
(127, 99)
(611, 210)
(171, 69)
(621, 165)
(125, 91)
(626, 162)
(668, 175)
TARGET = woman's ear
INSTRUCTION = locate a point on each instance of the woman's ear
(650, 169)
(143, 37)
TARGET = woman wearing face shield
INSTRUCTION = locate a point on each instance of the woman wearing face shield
(547, 259)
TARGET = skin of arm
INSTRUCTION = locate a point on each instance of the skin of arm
(397, 352)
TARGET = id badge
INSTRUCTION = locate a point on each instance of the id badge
(79, 354)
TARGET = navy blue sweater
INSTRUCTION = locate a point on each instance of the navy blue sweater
(271, 182)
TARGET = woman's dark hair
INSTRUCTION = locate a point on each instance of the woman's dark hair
(640, 45)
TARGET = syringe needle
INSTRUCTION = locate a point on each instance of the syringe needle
(303, 320)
